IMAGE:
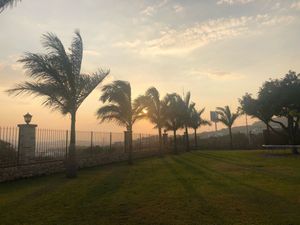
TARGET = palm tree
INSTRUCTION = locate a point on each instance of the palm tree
(7, 3)
(119, 109)
(188, 108)
(154, 106)
(174, 113)
(226, 117)
(196, 121)
(57, 78)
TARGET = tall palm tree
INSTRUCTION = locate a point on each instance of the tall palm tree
(188, 108)
(153, 105)
(58, 80)
(228, 118)
(196, 121)
(119, 109)
(7, 3)
(174, 113)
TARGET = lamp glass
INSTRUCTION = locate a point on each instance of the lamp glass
(27, 118)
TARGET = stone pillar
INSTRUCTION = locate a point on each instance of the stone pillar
(27, 138)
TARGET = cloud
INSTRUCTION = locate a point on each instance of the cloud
(181, 41)
(233, 2)
(178, 8)
(151, 10)
(295, 5)
(215, 75)
(91, 52)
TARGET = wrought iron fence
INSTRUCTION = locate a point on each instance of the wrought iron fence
(9, 146)
(52, 145)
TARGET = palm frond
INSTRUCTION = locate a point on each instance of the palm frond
(118, 95)
(7, 3)
(76, 53)
(54, 78)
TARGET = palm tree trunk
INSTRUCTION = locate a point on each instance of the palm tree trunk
(195, 136)
(130, 160)
(187, 139)
(71, 164)
(175, 142)
(230, 135)
(160, 141)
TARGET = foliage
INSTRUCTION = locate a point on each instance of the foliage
(7, 152)
(174, 112)
(228, 118)
(7, 3)
(120, 108)
(56, 77)
(278, 98)
(153, 106)
(257, 108)
(196, 119)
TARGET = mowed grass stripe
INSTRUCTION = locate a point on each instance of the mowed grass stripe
(201, 187)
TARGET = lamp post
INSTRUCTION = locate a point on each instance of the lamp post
(27, 118)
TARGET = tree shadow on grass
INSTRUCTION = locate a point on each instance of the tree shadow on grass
(250, 167)
(194, 166)
(206, 208)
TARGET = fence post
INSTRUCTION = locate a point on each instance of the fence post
(140, 142)
(110, 140)
(165, 139)
(92, 135)
(67, 137)
(125, 141)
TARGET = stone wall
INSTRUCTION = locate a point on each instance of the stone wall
(45, 168)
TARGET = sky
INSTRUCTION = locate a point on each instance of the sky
(217, 49)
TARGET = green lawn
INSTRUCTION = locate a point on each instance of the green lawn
(201, 187)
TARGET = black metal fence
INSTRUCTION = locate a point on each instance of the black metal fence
(9, 155)
(52, 145)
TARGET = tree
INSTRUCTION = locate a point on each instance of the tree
(7, 3)
(282, 98)
(119, 109)
(228, 118)
(174, 113)
(188, 108)
(58, 80)
(153, 105)
(258, 108)
(196, 121)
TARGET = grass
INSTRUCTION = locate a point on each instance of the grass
(202, 187)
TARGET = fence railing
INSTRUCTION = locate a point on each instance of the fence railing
(53, 145)
(9, 146)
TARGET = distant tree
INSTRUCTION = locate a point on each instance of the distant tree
(153, 105)
(228, 118)
(188, 108)
(196, 121)
(281, 96)
(258, 108)
(57, 78)
(7, 3)
(174, 113)
(120, 108)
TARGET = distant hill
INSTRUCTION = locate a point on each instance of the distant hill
(255, 128)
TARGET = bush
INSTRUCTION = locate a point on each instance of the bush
(8, 153)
